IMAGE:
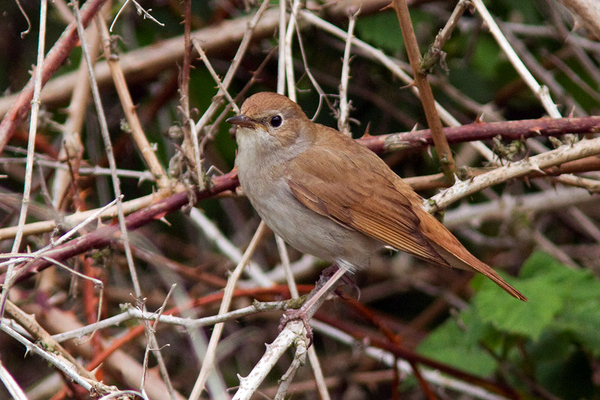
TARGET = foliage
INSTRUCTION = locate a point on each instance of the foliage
(552, 339)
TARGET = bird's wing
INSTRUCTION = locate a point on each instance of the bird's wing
(320, 179)
(382, 206)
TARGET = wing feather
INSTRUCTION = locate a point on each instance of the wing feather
(318, 178)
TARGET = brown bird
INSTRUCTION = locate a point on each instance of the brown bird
(331, 197)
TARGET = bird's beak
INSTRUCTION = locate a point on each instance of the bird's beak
(242, 120)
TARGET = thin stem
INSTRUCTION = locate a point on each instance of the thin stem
(426, 95)
(35, 108)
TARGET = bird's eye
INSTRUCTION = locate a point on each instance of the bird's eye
(276, 121)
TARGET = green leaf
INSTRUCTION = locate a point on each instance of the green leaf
(455, 343)
(514, 316)
(539, 263)
(580, 317)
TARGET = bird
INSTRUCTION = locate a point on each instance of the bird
(331, 197)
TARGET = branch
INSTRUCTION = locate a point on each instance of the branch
(55, 58)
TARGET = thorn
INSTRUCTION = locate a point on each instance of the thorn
(388, 7)
(412, 84)
(367, 134)
(535, 167)
(163, 219)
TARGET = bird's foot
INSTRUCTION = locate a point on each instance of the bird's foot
(326, 285)
(297, 314)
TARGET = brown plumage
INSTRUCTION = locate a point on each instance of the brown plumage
(327, 195)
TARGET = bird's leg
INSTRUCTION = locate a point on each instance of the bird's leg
(311, 306)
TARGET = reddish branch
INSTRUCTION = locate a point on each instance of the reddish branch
(507, 130)
(104, 235)
(55, 58)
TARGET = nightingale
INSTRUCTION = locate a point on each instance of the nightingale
(329, 196)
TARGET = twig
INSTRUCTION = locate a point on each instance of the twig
(104, 235)
(432, 376)
(281, 49)
(248, 34)
(213, 73)
(138, 64)
(503, 208)
(20, 106)
(545, 76)
(137, 132)
(51, 349)
(289, 60)
(191, 145)
(425, 93)
(434, 53)
(71, 146)
(570, 40)
(343, 122)
(106, 137)
(11, 384)
(540, 92)
(287, 378)
(506, 130)
(35, 108)
(312, 354)
(114, 360)
(576, 79)
(110, 155)
(294, 333)
(152, 345)
(393, 65)
(135, 313)
(59, 362)
(588, 13)
(140, 10)
(208, 361)
(565, 153)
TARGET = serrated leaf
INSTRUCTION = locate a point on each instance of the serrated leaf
(516, 317)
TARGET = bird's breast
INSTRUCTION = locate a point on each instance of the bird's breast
(305, 230)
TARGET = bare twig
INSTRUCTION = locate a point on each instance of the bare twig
(289, 60)
(434, 53)
(425, 93)
(35, 108)
(294, 333)
(208, 362)
(248, 34)
(540, 92)
(343, 121)
(20, 106)
(137, 132)
(10, 383)
(72, 147)
(563, 154)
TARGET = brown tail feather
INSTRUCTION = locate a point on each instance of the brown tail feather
(455, 253)
(468, 261)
